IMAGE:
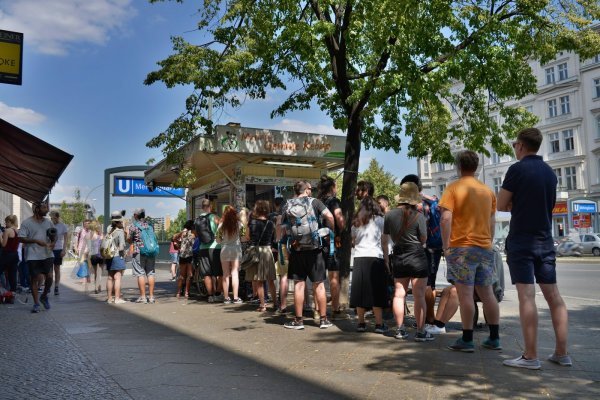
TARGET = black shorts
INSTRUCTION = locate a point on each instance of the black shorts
(209, 262)
(333, 264)
(97, 260)
(307, 264)
(37, 267)
(410, 263)
(434, 257)
(57, 257)
(186, 260)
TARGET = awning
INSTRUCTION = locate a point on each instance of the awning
(29, 167)
(233, 145)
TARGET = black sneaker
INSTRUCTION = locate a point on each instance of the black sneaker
(45, 302)
(295, 324)
(423, 337)
(325, 323)
(56, 290)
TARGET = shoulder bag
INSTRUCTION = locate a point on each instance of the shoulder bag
(251, 255)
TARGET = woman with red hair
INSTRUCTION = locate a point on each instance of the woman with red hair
(229, 233)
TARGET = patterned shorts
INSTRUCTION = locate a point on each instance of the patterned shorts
(470, 265)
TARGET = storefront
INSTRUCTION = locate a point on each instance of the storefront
(560, 215)
(238, 165)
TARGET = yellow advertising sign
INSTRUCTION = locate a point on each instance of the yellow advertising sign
(11, 57)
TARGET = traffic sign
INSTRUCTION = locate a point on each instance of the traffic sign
(136, 187)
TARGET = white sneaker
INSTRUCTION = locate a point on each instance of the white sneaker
(563, 361)
(521, 362)
(120, 301)
(434, 329)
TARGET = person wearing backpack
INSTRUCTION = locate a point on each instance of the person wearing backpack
(209, 254)
(113, 251)
(145, 249)
(306, 257)
(433, 246)
(327, 194)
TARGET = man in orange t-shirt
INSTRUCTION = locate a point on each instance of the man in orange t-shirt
(468, 209)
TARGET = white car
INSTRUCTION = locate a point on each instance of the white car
(590, 243)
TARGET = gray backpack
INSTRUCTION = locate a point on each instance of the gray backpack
(302, 225)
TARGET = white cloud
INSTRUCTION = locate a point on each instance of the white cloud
(55, 26)
(20, 116)
(301, 126)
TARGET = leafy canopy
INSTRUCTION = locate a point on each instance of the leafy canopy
(387, 65)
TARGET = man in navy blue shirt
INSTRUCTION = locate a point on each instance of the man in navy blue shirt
(529, 193)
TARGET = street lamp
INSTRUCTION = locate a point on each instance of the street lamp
(88, 195)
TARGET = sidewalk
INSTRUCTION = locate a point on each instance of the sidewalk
(86, 349)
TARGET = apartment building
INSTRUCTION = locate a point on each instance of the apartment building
(567, 104)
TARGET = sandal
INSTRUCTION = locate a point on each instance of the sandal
(262, 309)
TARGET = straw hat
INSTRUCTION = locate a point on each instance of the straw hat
(409, 194)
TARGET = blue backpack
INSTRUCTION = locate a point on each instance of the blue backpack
(150, 248)
(434, 231)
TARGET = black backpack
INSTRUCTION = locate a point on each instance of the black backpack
(203, 229)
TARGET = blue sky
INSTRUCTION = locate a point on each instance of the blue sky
(84, 64)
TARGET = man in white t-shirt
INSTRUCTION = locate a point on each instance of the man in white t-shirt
(38, 235)
(59, 246)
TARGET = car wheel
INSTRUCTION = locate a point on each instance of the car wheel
(596, 251)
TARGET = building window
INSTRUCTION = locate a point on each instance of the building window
(598, 127)
(497, 184)
(558, 173)
(598, 171)
(565, 107)
(570, 178)
(552, 109)
(426, 168)
(529, 109)
(441, 189)
(554, 142)
(549, 76)
(563, 72)
(597, 87)
(568, 139)
(597, 58)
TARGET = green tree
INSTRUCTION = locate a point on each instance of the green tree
(177, 224)
(378, 68)
(384, 182)
(100, 219)
(73, 213)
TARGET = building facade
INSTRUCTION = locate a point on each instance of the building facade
(567, 104)
(11, 204)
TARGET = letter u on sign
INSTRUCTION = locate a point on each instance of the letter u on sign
(124, 185)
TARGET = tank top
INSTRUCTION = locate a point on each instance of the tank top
(12, 244)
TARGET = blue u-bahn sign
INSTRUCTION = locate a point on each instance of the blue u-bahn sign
(136, 187)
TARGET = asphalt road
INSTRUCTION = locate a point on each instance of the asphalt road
(579, 281)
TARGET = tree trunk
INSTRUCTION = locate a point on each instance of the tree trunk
(350, 178)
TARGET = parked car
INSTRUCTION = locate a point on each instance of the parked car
(590, 243)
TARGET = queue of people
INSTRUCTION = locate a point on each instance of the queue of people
(395, 244)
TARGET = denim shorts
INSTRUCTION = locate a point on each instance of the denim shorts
(531, 261)
(470, 265)
(174, 257)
